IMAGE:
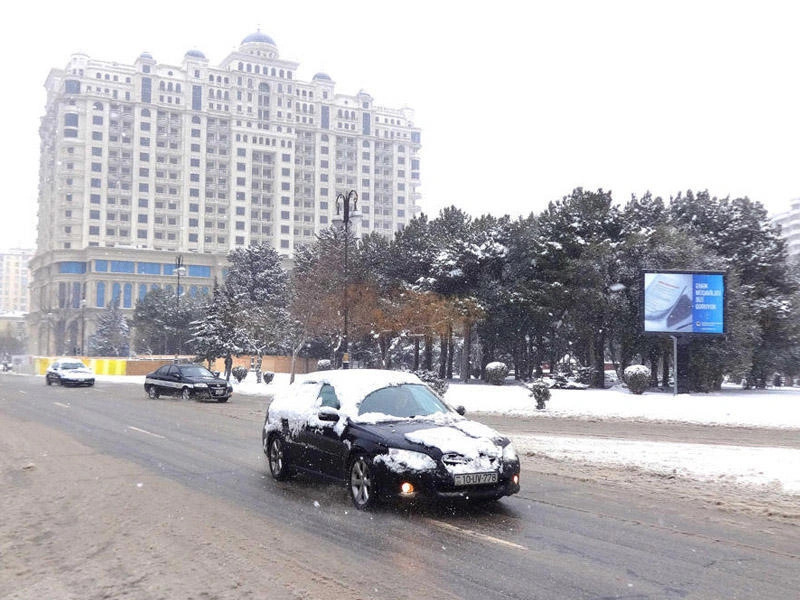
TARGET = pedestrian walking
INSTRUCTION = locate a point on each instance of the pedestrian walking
(228, 365)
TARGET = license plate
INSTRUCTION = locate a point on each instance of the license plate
(219, 392)
(475, 478)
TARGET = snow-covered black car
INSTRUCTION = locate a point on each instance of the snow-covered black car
(69, 371)
(386, 435)
(188, 382)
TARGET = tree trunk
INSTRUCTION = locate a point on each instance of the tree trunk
(442, 356)
(665, 362)
(428, 361)
(467, 352)
(539, 356)
(450, 352)
(599, 374)
(416, 353)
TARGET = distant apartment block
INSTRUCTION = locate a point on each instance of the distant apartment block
(789, 222)
(146, 162)
(14, 280)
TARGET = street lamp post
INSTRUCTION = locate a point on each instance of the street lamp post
(49, 325)
(352, 195)
(179, 270)
(83, 327)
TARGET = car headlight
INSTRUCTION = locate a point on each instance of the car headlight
(200, 385)
(415, 461)
(510, 453)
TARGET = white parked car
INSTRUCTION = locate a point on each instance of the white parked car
(69, 371)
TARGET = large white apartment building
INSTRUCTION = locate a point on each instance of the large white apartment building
(790, 228)
(146, 162)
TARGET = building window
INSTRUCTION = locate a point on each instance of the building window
(127, 296)
(100, 300)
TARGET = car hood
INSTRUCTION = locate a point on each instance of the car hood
(439, 436)
(76, 372)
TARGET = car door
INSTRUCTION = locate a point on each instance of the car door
(295, 424)
(323, 437)
(167, 380)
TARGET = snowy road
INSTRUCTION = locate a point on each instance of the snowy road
(108, 492)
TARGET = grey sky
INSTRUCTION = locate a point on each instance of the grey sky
(519, 102)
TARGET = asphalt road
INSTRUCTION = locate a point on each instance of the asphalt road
(558, 538)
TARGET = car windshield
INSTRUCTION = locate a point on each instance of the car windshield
(197, 372)
(72, 365)
(403, 402)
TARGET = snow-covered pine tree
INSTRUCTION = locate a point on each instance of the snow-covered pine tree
(112, 336)
(257, 299)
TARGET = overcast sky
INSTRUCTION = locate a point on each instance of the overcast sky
(519, 102)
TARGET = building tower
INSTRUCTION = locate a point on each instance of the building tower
(143, 163)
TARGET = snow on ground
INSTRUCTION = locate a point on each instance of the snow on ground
(773, 408)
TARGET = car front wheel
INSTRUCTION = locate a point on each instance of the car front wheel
(278, 465)
(152, 392)
(186, 394)
(47, 379)
(362, 483)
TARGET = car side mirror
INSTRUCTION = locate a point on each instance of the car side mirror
(327, 413)
(461, 410)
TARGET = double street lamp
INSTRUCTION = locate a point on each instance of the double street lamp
(343, 207)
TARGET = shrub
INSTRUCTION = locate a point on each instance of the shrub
(434, 381)
(637, 377)
(239, 373)
(324, 364)
(496, 373)
(540, 392)
(268, 376)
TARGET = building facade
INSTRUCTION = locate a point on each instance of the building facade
(146, 162)
(789, 222)
(14, 280)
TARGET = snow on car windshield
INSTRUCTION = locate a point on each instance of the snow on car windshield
(300, 403)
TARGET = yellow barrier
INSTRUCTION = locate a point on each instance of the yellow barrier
(100, 366)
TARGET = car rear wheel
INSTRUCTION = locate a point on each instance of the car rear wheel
(152, 392)
(362, 483)
(186, 394)
(278, 465)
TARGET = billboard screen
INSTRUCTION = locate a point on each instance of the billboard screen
(684, 302)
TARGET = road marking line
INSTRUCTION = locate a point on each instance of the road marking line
(61, 405)
(147, 432)
(475, 534)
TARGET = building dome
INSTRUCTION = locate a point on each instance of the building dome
(146, 55)
(258, 38)
(321, 77)
(195, 54)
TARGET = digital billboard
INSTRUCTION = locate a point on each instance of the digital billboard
(684, 302)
